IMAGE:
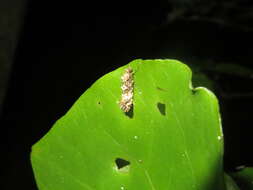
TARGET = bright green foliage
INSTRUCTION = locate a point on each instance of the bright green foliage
(172, 137)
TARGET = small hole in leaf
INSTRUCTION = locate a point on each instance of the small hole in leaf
(121, 163)
(162, 108)
(99, 103)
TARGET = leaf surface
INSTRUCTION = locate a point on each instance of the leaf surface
(171, 139)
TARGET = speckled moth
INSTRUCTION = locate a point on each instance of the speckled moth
(127, 88)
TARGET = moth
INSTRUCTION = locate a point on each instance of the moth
(127, 88)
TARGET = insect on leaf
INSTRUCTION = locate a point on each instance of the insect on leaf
(171, 137)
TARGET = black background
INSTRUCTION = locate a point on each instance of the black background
(65, 46)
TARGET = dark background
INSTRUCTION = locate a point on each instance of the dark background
(62, 48)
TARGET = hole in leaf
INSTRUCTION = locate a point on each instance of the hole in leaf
(162, 108)
(121, 163)
(99, 102)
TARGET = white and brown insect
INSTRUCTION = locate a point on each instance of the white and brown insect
(127, 88)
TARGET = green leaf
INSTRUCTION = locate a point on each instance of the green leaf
(171, 139)
(244, 178)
